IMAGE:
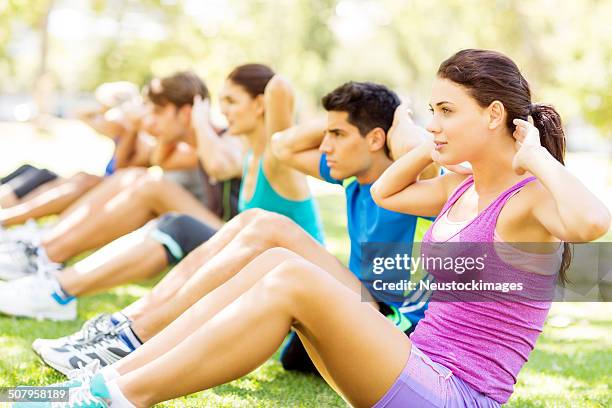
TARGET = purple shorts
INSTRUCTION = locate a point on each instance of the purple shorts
(425, 384)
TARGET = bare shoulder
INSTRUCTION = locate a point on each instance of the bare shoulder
(517, 222)
(531, 194)
(450, 181)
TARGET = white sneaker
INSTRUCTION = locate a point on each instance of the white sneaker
(28, 232)
(86, 389)
(96, 326)
(106, 348)
(24, 260)
(80, 376)
(35, 296)
(19, 261)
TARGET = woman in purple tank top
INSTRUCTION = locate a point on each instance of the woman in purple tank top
(464, 353)
(468, 351)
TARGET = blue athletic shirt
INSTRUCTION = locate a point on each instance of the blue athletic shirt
(369, 223)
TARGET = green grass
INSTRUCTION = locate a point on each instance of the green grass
(570, 367)
(268, 386)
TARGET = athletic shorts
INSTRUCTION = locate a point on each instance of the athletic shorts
(191, 180)
(425, 384)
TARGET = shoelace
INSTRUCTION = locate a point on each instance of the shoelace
(99, 324)
(44, 264)
(104, 323)
(100, 339)
(80, 397)
(85, 371)
(23, 252)
(44, 267)
(42, 271)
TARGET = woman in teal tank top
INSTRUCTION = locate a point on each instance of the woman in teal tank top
(257, 103)
(303, 212)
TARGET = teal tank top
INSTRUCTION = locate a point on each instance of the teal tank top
(305, 212)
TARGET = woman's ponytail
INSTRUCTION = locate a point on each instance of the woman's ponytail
(552, 137)
(548, 122)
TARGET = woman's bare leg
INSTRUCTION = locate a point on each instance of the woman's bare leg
(8, 198)
(96, 224)
(241, 332)
(130, 258)
(136, 256)
(108, 188)
(267, 231)
(53, 200)
(167, 288)
(211, 304)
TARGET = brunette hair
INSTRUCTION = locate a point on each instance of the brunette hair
(252, 77)
(178, 89)
(491, 76)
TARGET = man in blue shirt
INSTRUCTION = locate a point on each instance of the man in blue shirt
(351, 149)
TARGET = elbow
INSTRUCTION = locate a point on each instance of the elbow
(279, 150)
(600, 225)
(215, 169)
(278, 83)
(278, 86)
(595, 227)
(376, 195)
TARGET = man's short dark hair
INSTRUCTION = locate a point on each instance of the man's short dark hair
(178, 89)
(368, 105)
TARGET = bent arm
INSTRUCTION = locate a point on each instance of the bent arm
(279, 103)
(568, 210)
(125, 148)
(400, 188)
(298, 146)
(182, 156)
(221, 157)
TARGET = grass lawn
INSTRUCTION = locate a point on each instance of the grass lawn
(571, 366)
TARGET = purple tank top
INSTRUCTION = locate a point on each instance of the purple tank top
(484, 343)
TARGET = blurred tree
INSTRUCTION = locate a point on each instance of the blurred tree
(31, 14)
(566, 53)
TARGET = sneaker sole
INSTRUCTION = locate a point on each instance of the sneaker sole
(38, 349)
(57, 367)
(39, 316)
(9, 278)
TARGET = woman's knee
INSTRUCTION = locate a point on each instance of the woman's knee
(128, 175)
(248, 216)
(85, 181)
(150, 187)
(276, 229)
(292, 277)
(133, 172)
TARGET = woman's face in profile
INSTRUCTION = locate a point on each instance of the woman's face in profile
(240, 109)
(458, 123)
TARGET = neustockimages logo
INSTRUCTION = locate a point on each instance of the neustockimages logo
(408, 263)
